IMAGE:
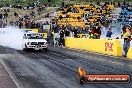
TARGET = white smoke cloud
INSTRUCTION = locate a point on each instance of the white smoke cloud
(11, 37)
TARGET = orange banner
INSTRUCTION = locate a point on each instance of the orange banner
(108, 78)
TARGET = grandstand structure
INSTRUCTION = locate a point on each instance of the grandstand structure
(81, 15)
(126, 14)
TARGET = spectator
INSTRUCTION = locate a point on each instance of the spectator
(127, 39)
(33, 14)
(85, 30)
(62, 36)
(15, 14)
(1, 16)
(50, 37)
(91, 35)
(98, 3)
(119, 4)
(60, 17)
(63, 4)
(67, 33)
(75, 32)
(20, 24)
(109, 33)
(97, 32)
(6, 15)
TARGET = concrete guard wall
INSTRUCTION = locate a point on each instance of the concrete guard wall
(103, 46)
(129, 54)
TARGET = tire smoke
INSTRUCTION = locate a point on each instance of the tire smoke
(11, 37)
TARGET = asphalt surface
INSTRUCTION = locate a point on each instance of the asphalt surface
(5, 79)
(57, 67)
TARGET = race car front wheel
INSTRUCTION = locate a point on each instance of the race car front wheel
(25, 48)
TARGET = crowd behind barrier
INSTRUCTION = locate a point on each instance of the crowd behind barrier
(25, 20)
(88, 19)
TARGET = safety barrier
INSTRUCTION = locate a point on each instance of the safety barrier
(104, 46)
(45, 35)
(129, 54)
(34, 30)
(83, 35)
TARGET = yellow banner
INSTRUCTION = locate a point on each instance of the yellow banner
(104, 46)
(45, 35)
(33, 30)
(129, 54)
(83, 35)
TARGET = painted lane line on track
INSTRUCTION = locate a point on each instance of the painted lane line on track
(11, 75)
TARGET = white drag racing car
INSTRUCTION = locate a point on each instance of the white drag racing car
(34, 41)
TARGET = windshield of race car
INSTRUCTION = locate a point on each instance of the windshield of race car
(34, 36)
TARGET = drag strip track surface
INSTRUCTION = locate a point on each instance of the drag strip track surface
(57, 68)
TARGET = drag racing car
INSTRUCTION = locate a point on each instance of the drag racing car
(34, 41)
